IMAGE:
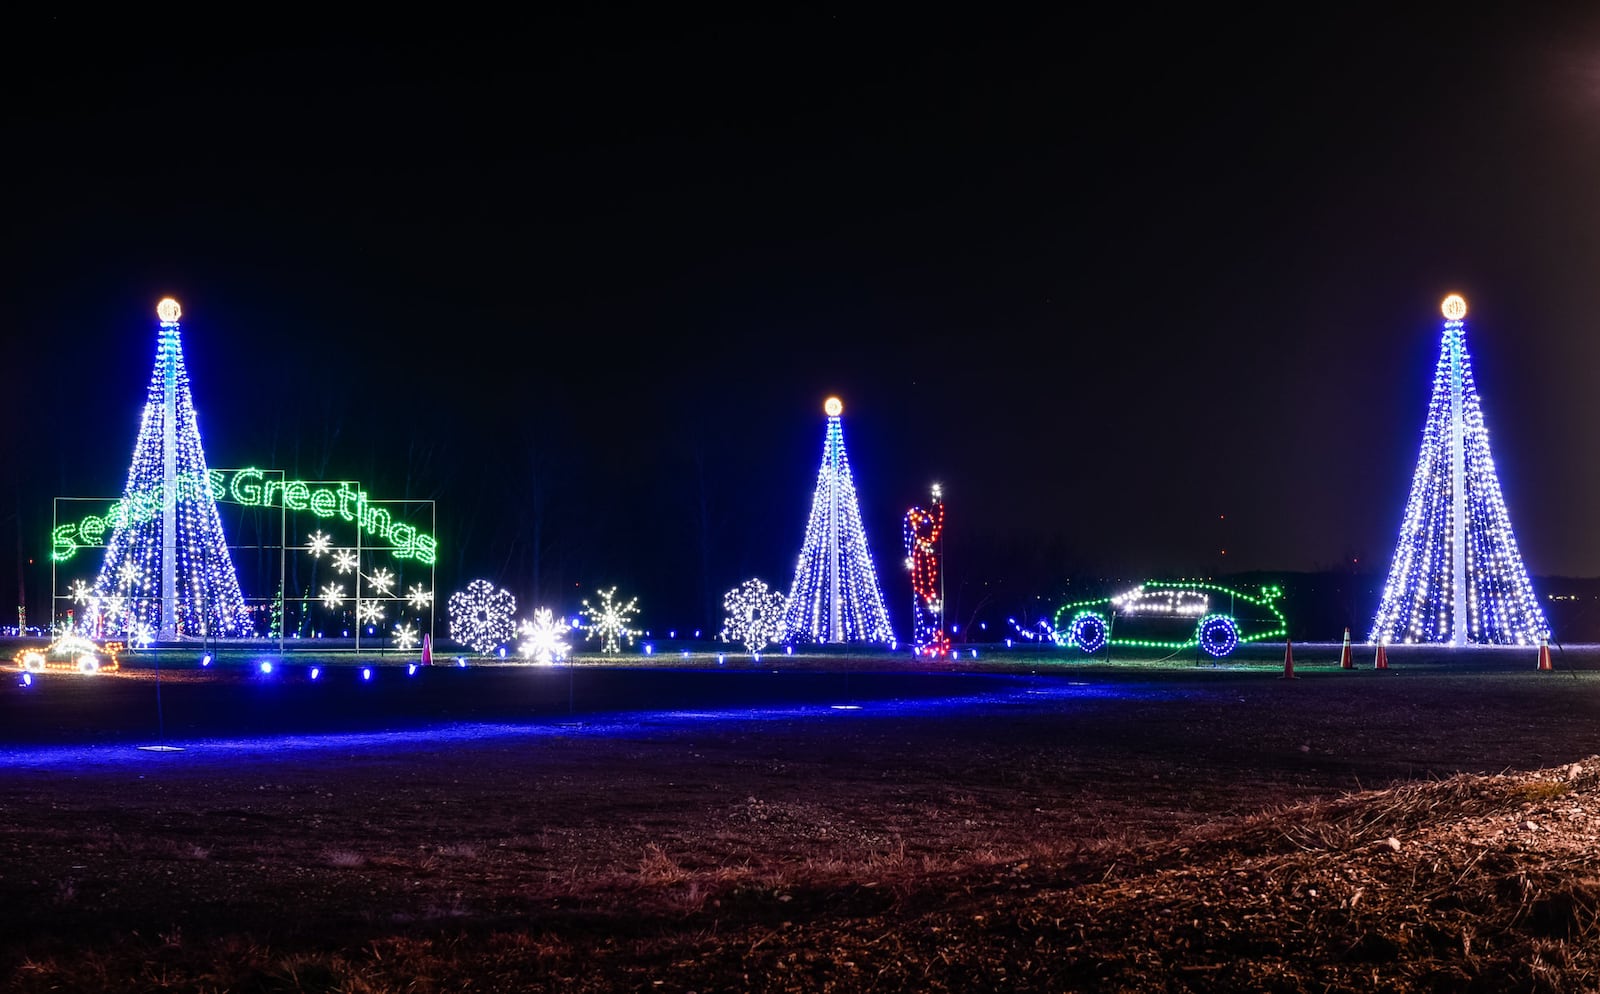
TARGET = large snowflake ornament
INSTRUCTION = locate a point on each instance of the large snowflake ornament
(345, 560)
(382, 581)
(318, 544)
(418, 597)
(754, 615)
(369, 612)
(81, 592)
(405, 635)
(543, 638)
(609, 621)
(480, 616)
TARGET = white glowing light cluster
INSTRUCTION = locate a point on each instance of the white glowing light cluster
(1457, 575)
(480, 616)
(609, 621)
(754, 615)
(1165, 603)
(835, 596)
(168, 486)
(544, 638)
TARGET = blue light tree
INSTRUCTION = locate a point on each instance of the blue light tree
(1457, 576)
(167, 568)
(835, 596)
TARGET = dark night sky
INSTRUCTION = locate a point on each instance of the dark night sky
(1106, 277)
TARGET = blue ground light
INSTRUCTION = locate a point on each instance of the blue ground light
(200, 752)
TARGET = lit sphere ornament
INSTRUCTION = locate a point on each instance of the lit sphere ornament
(1454, 307)
(833, 406)
(168, 311)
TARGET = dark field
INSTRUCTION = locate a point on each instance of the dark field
(1081, 827)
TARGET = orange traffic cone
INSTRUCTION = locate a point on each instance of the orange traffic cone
(1345, 662)
(1288, 661)
(1381, 660)
(1544, 653)
(427, 650)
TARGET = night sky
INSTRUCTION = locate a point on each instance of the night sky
(586, 282)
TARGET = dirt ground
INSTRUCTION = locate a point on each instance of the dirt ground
(1124, 828)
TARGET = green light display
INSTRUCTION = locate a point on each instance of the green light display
(251, 488)
(1092, 624)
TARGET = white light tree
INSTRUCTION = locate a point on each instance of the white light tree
(835, 596)
(754, 615)
(167, 563)
(1457, 575)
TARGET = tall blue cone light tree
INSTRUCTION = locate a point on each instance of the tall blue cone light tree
(1457, 576)
(167, 565)
(835, 596)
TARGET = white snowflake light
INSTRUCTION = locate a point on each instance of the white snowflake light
(81, 592)
(754, 615)
(369, 612)
(345, 560)
(382, 581)
(333, 595)
(543, 637)
(319, 544)
(418, 597)
(609, 621)
(128, 574)
(480, 616)
(143, 635)
(405, 635)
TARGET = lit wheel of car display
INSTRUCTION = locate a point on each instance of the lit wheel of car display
(1088, 632)
(1217, 635)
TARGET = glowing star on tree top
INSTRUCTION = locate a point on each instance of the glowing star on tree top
(168, 311)
(833, 407)
(1454, 307)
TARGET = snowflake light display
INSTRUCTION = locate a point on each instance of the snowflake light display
(480, 616)
(169, 556)
(81, 592)
(544, 638)
(835, 596)
(382, 581)
(609, 621)
(923, 531)
(345, 560)
(753, 615)
(143, 635)
(1457, 575)
(318, 544)
(405, 635)
(417, 597)
(333, 595)
(369, 612)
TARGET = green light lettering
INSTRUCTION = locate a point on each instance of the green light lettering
(62, 545)
(92, 530)
(426, 549)
(295, 494)
(322, 503)
(402, 535)
(246, 487)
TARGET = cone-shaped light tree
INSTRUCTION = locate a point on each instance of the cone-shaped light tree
(167, 565)
(1457, 576)
(835, 596)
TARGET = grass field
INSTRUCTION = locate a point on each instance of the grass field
(1029, 823)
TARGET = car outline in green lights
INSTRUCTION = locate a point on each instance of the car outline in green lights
(1091, 625)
